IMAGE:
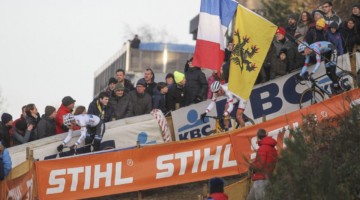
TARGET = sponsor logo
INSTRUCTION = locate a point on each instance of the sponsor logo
(195, 128)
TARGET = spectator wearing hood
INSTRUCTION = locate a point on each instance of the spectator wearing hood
(101, 108)
(67, 106)
(22, 133)
(141, 100)
(175, 98)
(196, 84)
(334, 37)
(280, 65)
(350, 35)
(47, 126)
(159, 100)
(6, 129)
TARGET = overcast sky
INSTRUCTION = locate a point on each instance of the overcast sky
(51, 48)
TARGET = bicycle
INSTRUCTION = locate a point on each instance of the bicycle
(315, 94)
(219, 123)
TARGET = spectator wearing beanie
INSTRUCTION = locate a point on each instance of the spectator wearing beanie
(355, 14)
(110, 88)
(175, 97)
(280, 65)
(121, 103)
(141, 100)
(291, 27)
(318, 33)
(281, 42)
(67, 106)
(334, 37)
(22, 132)
(47, 126)
(6, 129)
(216, 186)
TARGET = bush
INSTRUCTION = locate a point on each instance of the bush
(322, 161)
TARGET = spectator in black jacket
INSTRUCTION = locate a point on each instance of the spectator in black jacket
(175, 98)
(32, 117)
(159, 97)
(46, 126)
(196, 86)
(120, 76)
(141, 100)
(148, 79)
(110, 88)
(5, 129)
(100, 107)
(121, 103)
(349, 34)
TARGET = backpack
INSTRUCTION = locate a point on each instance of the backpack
(2, 170)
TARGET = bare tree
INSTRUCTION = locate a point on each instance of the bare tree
(148, 33)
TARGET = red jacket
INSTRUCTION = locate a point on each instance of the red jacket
(218, 196)
(59, 119)
(265, 161)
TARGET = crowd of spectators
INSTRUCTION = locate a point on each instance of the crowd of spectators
(123, 99)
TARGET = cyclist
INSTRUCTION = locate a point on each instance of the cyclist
(321, 48)
(91, 128)
(220, 90)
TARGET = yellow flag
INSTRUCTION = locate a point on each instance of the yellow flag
(253, 35)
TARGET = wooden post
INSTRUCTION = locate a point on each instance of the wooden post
(264, 118)
(205, 191)
(353, 65)
(27, 153)
(139, 192)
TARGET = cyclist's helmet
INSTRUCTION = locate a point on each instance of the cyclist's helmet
(215, 86)
(68, 118)
(302, 46)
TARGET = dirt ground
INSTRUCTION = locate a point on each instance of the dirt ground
(188, 191)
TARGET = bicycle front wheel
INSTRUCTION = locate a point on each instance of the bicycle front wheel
(310, 96)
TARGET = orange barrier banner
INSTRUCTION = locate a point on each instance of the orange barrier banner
(21, 187)
(244, 141)
(135, 169)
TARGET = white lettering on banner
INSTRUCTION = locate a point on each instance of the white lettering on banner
(165, 162)
(16, 192)
(57, 177)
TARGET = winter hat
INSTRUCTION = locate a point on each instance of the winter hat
(119, 86)
(141, 82)
(293, 16)
(334, 25)
(112, 80)
(317, 12)
(283, 51)
(49, 110)
(67, 100)
(356, 5)
(178, 76)
(321, 22)
(216, 185)
(281, 30)
(6, 117)
(21, 125)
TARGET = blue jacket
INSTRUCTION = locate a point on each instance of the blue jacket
(7, 162)
(336, 39)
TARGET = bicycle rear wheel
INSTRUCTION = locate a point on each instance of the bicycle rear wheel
(346, 80)
(310, 96)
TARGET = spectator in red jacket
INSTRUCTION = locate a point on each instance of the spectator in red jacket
(263, 165)
(66, 107)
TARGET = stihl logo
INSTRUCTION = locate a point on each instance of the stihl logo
(166, 163)
(88, 174)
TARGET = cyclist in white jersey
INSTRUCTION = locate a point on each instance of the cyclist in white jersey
(220, 90)
(92, 130)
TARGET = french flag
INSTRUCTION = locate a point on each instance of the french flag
(215, 17)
